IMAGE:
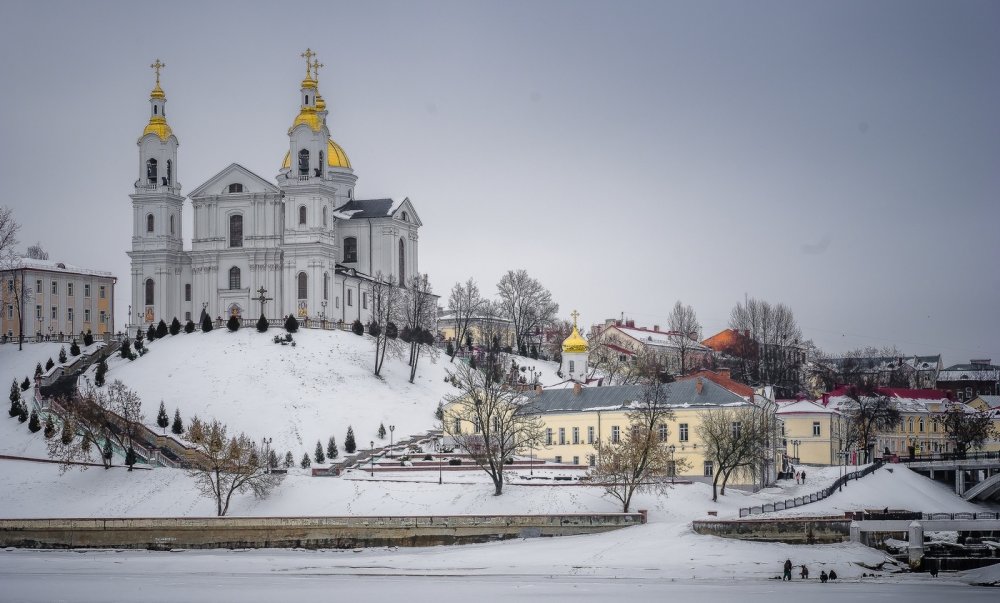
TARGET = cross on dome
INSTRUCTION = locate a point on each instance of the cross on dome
(316, 66)
(308, 55)
(156, 67)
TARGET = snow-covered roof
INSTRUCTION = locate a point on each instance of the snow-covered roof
(992, 401)
(656, 338)
(680, 394)
(360, 209)
(804, 407)
(54, 266)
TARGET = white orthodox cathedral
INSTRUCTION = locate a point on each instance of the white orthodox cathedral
(306, 245)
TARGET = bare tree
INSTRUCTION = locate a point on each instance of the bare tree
(734, 437)
(768, 352)
(466, 303)
(869, 411)
(36, 252)
(13, 292)
(97, 420)
(489, 419)
(492, 327)
(386, 302)
(640, 459)
(8, 233)
(420, 315)
(560, 330)
(228, 466)
(526, 303)
(685, 332)
(968, 429)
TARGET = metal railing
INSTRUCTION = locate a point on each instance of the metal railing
(805, 499)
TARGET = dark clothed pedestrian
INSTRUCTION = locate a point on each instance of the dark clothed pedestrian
(788, 571)
(822, 577)
(833, 575)
(804, 574)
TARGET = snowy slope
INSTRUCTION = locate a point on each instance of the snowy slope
(15, 439)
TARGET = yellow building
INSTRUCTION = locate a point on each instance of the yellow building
(480, 327)
(55, 299)
(813, 434)
(989, 404)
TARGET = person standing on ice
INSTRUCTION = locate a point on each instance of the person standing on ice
(788, 571)
(805, 572)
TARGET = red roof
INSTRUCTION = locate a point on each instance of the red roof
(736, 387)
(900, 392)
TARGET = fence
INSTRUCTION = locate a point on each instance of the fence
(948, 456)
(798, 501)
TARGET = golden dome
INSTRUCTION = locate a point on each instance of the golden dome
(574, 343)
(308, 82)
(309, 117)
(157, 92)
(335, 157)
(158, 125)
(320, 103)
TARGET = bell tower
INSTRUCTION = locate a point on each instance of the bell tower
(574, 355)
(157, 205)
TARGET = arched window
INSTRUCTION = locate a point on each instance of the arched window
(402, 263)
(319, 170)
(149, 223)
(151, 171)
(235, 187)
(326, 285)
(350, 250)
(171, 224)
(405, 217)
(155, 110)
(324, 216)
(303, 162)
(234, 278)
(303, 285)
(236, 230)
(170, 172)
(302, 215)
(149, 291)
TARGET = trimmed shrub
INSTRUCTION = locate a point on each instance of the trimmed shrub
(206, 324)
(233, 324)
(291, 324)
(62, 355)
(175, 326)
(261, 323)
(162, 330)
(34, 424)
(88, 338)
(74, 348)
(357, 328)
(189, 327)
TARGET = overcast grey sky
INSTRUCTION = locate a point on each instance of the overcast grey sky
(840, 157)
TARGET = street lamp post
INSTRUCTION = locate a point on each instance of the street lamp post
(266, 445)
(371, 445)
(392, 428)
(440, 460)
(531, 459)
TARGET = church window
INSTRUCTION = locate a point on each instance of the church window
(303, 162)
(55, 288)
(170, 172)
(404, 217)
(154, 110)
(319, 170)
(364, 300)
(236, 187)
(234, 278)
(402, 263)
(350, 298)
(151, 171)
(572, 367)
(187, 292)
(171, 225)
(149, 291)
(350, 250)
(307, 99)
(236, 230)
(326, 285)
(303, 285)
(302, 215)
(324, 216)
(149, 223)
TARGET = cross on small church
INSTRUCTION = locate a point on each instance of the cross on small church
(156, 67)
(574, 314)
(262, 299)
(316, 67)
(308, 55)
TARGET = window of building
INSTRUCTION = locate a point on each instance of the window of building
(54, 314)
(149, 291)
(55, 288)
(10, 285)
(236, 230)
(104, 317)
(457, 427)
(558, 459)
(921, 425)
(911, 424)
(336, 302)
(38, 312)
(187, 292)
(326, 285)
(302, 215)
(364, 300)
(548, 436)
(350, 250)
(402, 264)
(10, 311)
(69, 314)
(151, 171)
(615, 434)
(476, 425)
(149, 223)
(100, 291)
(324, 216)
(562, 435)
(576, 435)
(682, 431)
(38, 286)
(170, 167)
(350, 298)
(86, 315)
(86, 289)
(590, 434)
(69, 289)
(592, 460)
(303, 285)
(234, 278)
(662, 429)
(816, 430)
(576, 460)
(303, 162)
(235, 187)
(572, 366)
(187, 316)
(171, 224)
(709, 469)
(735, 428)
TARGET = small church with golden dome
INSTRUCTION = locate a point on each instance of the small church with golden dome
(574, 355)
(303, 245)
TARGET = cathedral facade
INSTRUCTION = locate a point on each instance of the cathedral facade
(304, 245)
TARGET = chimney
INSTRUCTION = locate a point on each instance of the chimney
(656, 328)
(630, 323)
(724, 372)
(538, 388)
(577, 388)
(698, 386)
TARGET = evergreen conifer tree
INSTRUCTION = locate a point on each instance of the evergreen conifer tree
(291, 324)
(175, 326)
(161, 329)
(349, 444)
(233, 324)
(38, 369)
(34, 424)
(391, 330)
(126, 351)
(150, 333)
(88, 338)
(49, 365)
(177, 428)
(357, 328)
(439, 413)
(331, 448)
(15, 399)
(189, 326)
(25, 384)
(206, 324)
(261, 323)
(272, 459)
(62, 355)
(306, 463)
(101, 373)
(50, 428)
(67, 433)
(318, 455)
(381, 431)
(161, 417)
(74, 348)
(107, 452)
(22, 412)
(374, 329)
(289, 461)
(140, 335)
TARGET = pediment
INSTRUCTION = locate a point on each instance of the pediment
(234, 174)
